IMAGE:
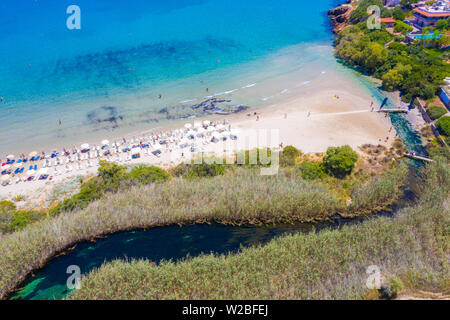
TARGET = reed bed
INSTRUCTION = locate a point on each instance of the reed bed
(332, 264)
(241, 197)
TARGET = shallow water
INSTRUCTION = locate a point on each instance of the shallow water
(105, 78)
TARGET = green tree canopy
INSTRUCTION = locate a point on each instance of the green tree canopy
(443, 125)
(392, 80)
(340, 161)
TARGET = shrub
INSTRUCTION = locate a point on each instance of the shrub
(435, 112)
(443, 125)
(204, 170)
(340, 161)
(312, 170)
(142, 175)
(262, 157)
(289, 156)
(111, 178)
(12, 219)
(392, 288)
(402, 27)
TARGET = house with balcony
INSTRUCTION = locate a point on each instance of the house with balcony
(428, 16)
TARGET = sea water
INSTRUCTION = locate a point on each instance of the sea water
(139, 64)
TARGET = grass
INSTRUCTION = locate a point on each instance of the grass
(241, 196)
(412, 250)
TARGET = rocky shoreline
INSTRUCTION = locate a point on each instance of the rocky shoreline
(340, 16)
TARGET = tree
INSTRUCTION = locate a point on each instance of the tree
(392, 80)
(402, 27)
(443, 125)
(289, 156)
(376, 55)
(442, 24)
(340, 161)
(398, 13)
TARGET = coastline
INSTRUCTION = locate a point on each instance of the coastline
(331, 122)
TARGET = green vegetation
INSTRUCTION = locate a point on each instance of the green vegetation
(240, 196)
(12, 219)
(402, 27)
(398, 13)
(415, 70)
(340, 161)
(312, 170)
(443, 125)
(360, 13)
(111, 178)
(289, 156)
(410, 249)
(199, 170)
(435, 112)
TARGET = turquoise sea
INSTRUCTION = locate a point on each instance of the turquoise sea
(105, 80)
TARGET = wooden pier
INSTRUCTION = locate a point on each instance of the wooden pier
(418, 157)
(393, 110)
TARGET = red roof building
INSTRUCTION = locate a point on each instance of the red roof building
(390, 22)
(428, 17)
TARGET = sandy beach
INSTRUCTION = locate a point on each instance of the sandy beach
(332, 109)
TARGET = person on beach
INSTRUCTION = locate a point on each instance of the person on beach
(257, 118)
(1, 99)
(207, 89)
(160, 96)
(59, 121)
(309, 114)
(285, 115)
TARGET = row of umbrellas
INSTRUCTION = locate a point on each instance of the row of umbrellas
(197, 125)
(32, 154)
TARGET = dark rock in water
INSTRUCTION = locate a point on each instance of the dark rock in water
(207, 107)
(105, 115)
(340, 16)
(208, 104)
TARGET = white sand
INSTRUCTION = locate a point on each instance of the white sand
(332, 122)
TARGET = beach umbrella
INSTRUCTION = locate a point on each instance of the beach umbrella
(19, 165)
(211, 128)
(188, 125)
(220, 126)
(33, 154)
(197, 124)
(10, 156)
(6, 166)
(135, 151)
(43, 170)
(105, 142)
(31, 172)
(201, 130)
(85, 146)
(4, 178)
(206, 122)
